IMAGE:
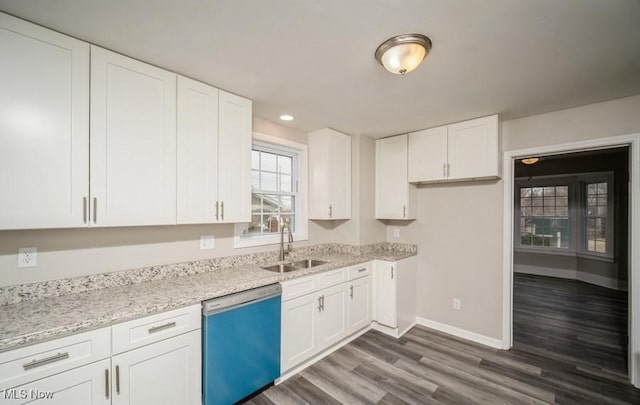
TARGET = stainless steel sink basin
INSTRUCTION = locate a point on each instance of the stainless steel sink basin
(297, 265)
(281, 268)
(306, 263)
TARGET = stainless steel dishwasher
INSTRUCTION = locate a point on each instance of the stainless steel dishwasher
(241, 344)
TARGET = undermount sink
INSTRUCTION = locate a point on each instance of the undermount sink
(297, 265)
(307, 263)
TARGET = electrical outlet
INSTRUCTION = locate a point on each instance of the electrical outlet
(457, 304)
(207, 242)
(27, 257)
(396, 232)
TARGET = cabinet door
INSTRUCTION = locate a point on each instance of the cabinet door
(427, 155)
(87, 385)
(197, 152)
(133, 141)
(392, 187)
(332, 321)
(330, 175)
(44, 127)
(299, 329)
(234, 158)
(163, 373)
(359, 303)
(339, 175)
(473, 148)
(386, 307)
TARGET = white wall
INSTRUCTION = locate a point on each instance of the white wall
(459, 226)
(72, 252)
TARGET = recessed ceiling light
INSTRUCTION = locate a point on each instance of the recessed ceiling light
(286, 117)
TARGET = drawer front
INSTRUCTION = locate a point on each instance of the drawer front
(139, 332)
(298, 287)
(360, 270)
(333, 277)
(41, 360)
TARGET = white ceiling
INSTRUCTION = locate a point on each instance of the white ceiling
(314, 58)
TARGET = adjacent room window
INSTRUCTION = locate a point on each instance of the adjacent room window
(277, 185)
(571, 214)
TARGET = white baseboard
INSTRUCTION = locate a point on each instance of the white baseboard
(295, 370)
(461, 333)
(571, 275)
(393, 332)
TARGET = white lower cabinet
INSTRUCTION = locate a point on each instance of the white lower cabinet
(395, 295)
(154, 360)
(163, 373)
(87, 385)
(359, 304)
(322, 317)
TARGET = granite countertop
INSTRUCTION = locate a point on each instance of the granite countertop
(36, 320)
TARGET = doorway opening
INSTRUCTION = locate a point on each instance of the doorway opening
(570, 258)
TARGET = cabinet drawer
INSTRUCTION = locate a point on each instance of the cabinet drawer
(332, 277)
(298, 287)
(44, 359)
(150, 329)
(360, 270)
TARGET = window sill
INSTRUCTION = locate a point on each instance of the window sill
(555, 252)
(239, 243)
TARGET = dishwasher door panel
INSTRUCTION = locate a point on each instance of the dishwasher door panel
(241, 351)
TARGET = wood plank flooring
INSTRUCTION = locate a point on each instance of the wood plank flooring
(430, 367)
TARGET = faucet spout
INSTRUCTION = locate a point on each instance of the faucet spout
(285, 224)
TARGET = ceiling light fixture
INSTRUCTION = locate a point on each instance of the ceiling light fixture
(530, 161)
(403, 53)
(286, 117)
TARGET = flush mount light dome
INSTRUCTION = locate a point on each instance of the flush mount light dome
(403, 53)
(530, 160)
(286, 117)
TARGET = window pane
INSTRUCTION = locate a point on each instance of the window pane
(537, 211)
(537, 202)
(562, 202)
(525, 202)
(537, 191)
(525, 192)
(562, 190)
(596, 217)
(602, 188)
(526, 211)
(285, 164)
(268, 161)
(286, 203)
(255, 159)
(268, 182)
(549, 191)
(256, 203)
(255, 180)
(285, 183)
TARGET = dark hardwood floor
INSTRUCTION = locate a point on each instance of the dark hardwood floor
(430, 367)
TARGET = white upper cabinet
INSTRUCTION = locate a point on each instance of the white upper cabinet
(44, 127)
(395, 197)
(462, 151)
(133, 142)
(197, 152)
(428, 155)
(234, 158)
(330, 175)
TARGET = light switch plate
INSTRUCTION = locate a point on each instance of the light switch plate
(396, 232)
(207, 242)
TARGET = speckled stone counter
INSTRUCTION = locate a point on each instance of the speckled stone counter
(41, 311)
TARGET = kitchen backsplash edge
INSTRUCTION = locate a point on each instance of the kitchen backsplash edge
(26, 292)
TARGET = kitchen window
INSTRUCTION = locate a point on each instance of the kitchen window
(566, 215)
(278, 192)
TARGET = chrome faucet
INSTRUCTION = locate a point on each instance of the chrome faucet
(285, 224)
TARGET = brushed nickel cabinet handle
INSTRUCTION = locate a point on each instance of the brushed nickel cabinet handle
(330, 210)
(162, 327)
(118, 380)
(391, 272)
(323, 302)
(319, 303)
(106, 383)
(84, 210)
(351, 292)
(448, 170)
(95, 210)
(404, 211)
(362, 269)
(444, 170)
(222, 209)
(216, 210)
(47, 360)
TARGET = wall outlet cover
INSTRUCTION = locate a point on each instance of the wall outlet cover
(207, 242)
(27, 257)
(396, 232)
(457, 304)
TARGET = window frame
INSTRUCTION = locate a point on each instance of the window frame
(299, 174)
(577, 213)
